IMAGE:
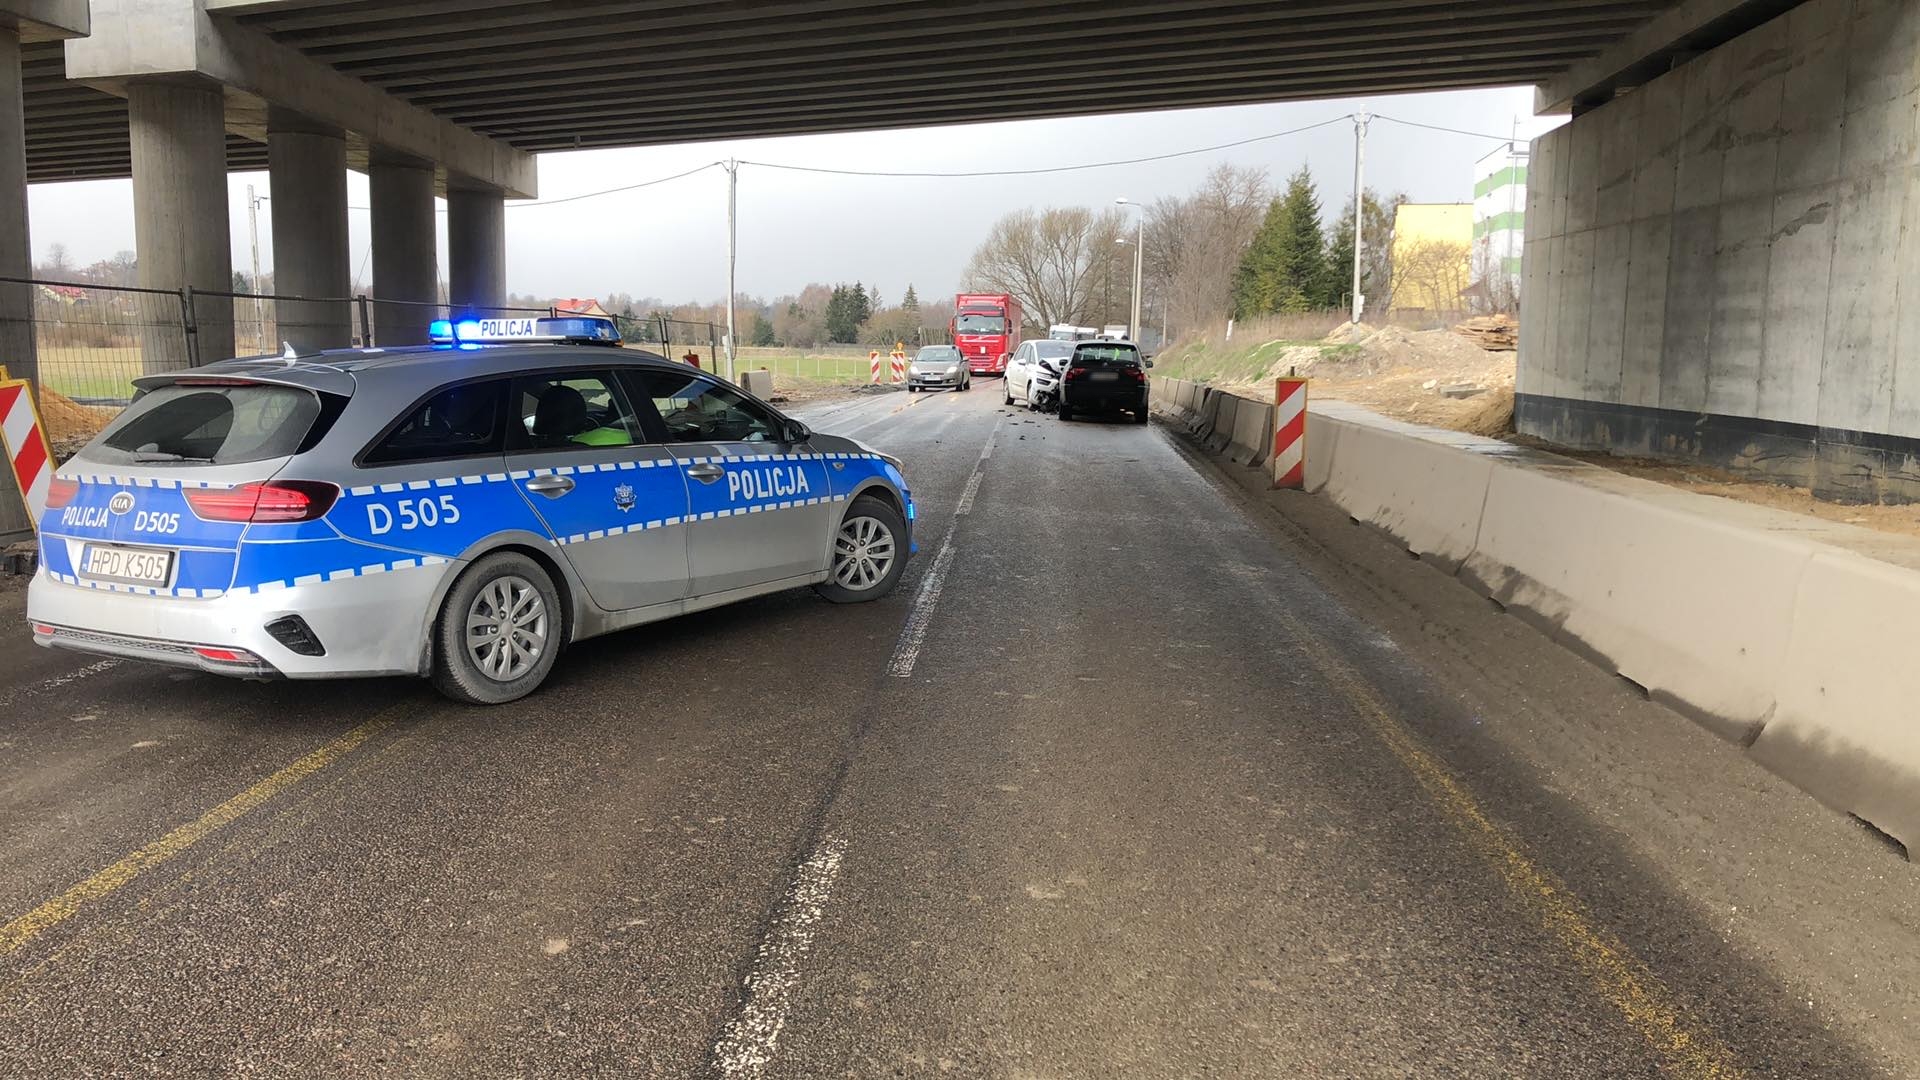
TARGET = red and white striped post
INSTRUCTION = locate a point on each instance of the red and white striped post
(873, 361)
(899, 366)
(1289, 432)
(25, 442)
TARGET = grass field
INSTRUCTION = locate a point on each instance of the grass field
(87, 372)
(814, 368)
(80, 371)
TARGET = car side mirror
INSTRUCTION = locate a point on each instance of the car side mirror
(1148, 361)
(798, 432)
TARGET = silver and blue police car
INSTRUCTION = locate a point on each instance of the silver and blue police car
(460, 510)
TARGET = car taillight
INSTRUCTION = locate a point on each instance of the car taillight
(278, 501)
(61, 492)
(1136, 374)
(1077, 372)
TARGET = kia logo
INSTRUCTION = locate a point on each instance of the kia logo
(121, 502)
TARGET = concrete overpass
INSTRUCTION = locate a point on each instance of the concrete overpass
(458, 97)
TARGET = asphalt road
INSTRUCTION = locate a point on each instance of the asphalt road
(1134, 776)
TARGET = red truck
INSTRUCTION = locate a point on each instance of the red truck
(986, 327)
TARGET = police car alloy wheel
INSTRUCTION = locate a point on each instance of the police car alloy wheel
(499, 631)
(869, 554)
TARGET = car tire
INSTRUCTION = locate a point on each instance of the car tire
(866, 521)
(1006, 392)
(1065, 412)
(497, 584)
(913, 389)
(1140, 415)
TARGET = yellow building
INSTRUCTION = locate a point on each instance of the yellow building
(1432, 258)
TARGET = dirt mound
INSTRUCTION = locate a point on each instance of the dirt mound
(69, 424)
(1490, 414)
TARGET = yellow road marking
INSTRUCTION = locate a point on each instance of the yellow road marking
(1625, 982)
(16, 934)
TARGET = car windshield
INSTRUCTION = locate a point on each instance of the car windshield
(209, 424)
(1052, 350)
(937, 354)
(1105, 353)
(973, 322)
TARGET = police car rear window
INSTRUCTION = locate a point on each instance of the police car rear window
(456, 422)
(209, 424)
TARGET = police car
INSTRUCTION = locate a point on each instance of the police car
(460, 510)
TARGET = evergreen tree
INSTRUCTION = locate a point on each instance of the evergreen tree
(846, 310)
(762, 331)
(1285, 268)
(1376, 261)
(911, 301)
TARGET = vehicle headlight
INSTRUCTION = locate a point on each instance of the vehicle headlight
(953, 369)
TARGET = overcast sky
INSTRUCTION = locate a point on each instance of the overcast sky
(670, 240)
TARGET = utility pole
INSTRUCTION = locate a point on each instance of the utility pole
(1139, 245)
(253, 237)
(1360, 122)
(733, 189)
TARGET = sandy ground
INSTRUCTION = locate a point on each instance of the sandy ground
(1401, 373)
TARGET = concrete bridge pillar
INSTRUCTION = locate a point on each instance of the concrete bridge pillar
(179, 138)
(476, 248)
(405, 263)
(16, 253)
(307, 170)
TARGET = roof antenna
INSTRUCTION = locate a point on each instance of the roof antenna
(288, 354)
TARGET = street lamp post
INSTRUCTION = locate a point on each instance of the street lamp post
(1139, 247)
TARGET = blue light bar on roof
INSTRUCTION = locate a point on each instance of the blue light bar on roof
(578, 329)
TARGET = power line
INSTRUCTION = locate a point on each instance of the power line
(1448, 130)
(617, 190)
(1055, 168)
(994, 172)
(587, 194)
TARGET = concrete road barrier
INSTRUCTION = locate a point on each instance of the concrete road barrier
(758, 382)
(1206, 413)
(1844, 726)
(1427, 493)
(1226, 413)
(1692, 607)
(1252, 438)
(1781, 632)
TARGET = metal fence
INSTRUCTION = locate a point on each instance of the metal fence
(92, 340)
(676, 339)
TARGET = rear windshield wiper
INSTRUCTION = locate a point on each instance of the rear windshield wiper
(153, 459)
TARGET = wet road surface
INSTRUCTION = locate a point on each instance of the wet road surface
(1134, 776)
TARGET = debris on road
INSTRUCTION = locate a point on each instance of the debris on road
(20, 560)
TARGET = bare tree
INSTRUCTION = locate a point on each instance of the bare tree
(1195, 243)
(1432, 276)
(1062, 263)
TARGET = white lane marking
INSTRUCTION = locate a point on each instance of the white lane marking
(59, 681)
(746, 1047)
(920, 617)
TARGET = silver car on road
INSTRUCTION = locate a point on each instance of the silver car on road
(459, 511)
(939, 365)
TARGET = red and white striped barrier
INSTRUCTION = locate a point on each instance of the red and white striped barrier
(899, 366)
(25, 442)
(873, 360)
(1289, 432)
